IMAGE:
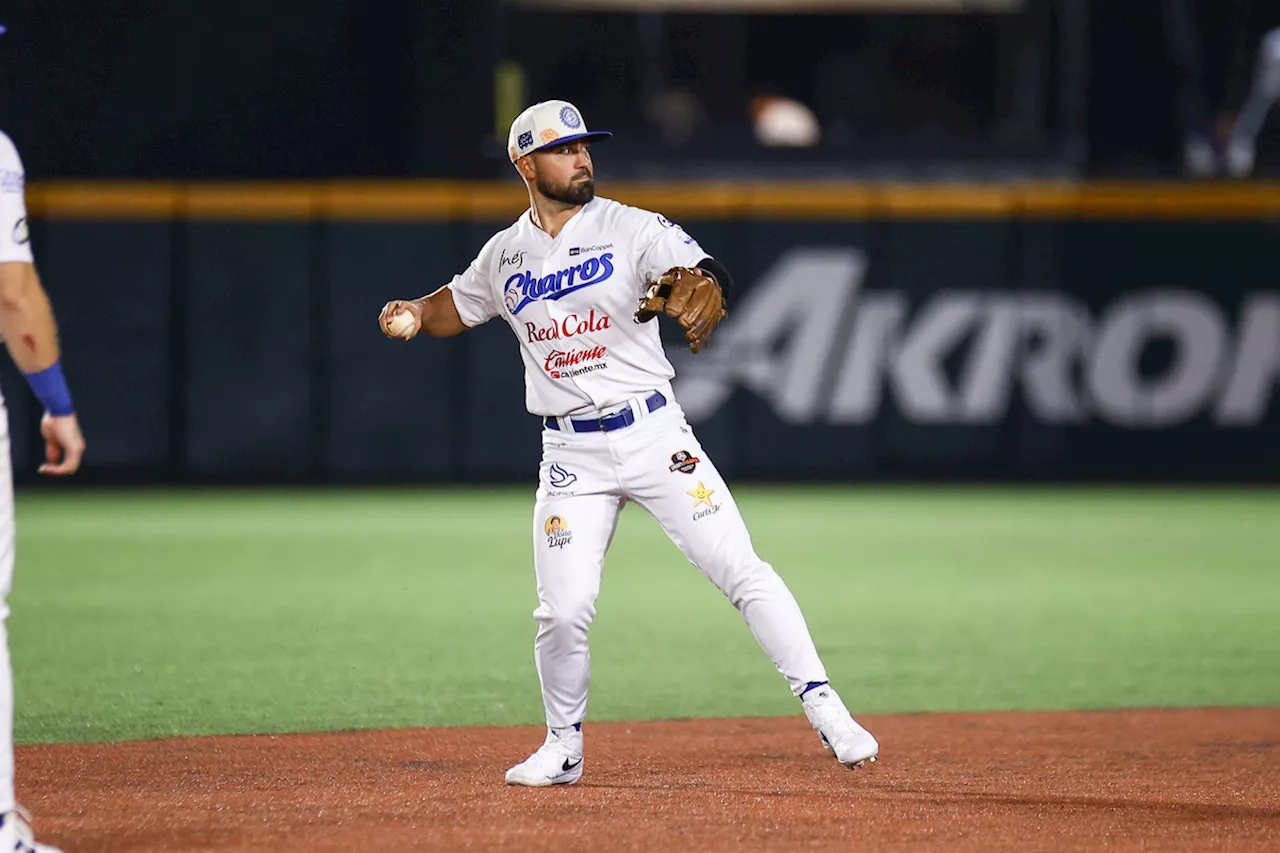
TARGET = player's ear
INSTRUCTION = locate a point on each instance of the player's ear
(524, 165)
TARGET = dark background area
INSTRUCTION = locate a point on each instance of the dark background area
(235, 89)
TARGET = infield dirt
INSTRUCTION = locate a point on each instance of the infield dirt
(1123, 780)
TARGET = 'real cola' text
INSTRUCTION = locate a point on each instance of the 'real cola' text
(569, 327)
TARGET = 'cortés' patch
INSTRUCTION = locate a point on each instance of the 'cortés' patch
(684, 462)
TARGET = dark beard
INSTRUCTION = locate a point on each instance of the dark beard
(568, 193)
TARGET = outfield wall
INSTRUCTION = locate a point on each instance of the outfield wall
(1063, 332)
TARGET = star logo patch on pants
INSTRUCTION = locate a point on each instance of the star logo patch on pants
(701, 495)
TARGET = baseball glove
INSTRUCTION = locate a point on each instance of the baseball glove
(692, 296)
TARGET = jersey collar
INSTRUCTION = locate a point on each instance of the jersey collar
(528, 220)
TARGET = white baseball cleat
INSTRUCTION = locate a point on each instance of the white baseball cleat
(17, 836)
(852, 744)
(557, 762)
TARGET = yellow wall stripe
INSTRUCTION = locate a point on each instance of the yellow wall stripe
(275, 201)
(490, 201)
(105, 200)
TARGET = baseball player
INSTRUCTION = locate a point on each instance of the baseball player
(32, 338)
(579, 280)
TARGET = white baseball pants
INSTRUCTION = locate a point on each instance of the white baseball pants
(584, 481)
(7, 800)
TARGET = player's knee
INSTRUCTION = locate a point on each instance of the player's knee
(748, 581)
(566, 613)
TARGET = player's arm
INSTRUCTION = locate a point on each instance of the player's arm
(27, 322)
(464, 303)
(665, 246)
(435, 315)
(31, 335)
(27, 318)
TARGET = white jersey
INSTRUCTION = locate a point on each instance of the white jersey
(15, 239)
(572, 302)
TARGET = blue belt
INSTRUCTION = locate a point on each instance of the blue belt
(624, 418)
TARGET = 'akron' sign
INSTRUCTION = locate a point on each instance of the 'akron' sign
(808, 340)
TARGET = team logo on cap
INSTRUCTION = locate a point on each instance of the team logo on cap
(570, 118)
(550, 135)
(525, 140)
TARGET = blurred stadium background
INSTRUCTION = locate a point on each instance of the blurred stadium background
(1002, 245)
(1000, 240)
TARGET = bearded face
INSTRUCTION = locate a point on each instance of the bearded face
(579, 189)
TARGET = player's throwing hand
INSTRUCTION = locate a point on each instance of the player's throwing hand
(401, 319)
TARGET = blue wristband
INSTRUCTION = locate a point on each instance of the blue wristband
(50, 387)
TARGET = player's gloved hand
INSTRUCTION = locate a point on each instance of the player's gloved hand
(692, 296)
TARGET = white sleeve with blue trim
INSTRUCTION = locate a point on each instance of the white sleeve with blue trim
(661, 245)
(15, 237)
(473, 291)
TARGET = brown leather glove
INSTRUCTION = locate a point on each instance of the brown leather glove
(692, 296)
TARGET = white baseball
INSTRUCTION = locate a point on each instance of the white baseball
(401, 323)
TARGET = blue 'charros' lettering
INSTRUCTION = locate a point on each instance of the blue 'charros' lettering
(523, 288)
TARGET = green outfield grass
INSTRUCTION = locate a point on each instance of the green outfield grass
(151, 614)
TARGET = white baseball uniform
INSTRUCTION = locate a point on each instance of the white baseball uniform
(15, 246)
(571, 301)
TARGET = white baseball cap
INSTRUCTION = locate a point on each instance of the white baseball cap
(548, 123)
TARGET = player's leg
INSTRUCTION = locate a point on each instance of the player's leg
(570, 538)
(669, 473)
(574, 519)
(8, 802)
(15, 831)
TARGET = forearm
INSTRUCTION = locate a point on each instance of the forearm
(721, 273)
(26, 318)
(439, 314)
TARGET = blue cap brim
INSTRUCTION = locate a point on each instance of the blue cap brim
(593, 135)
